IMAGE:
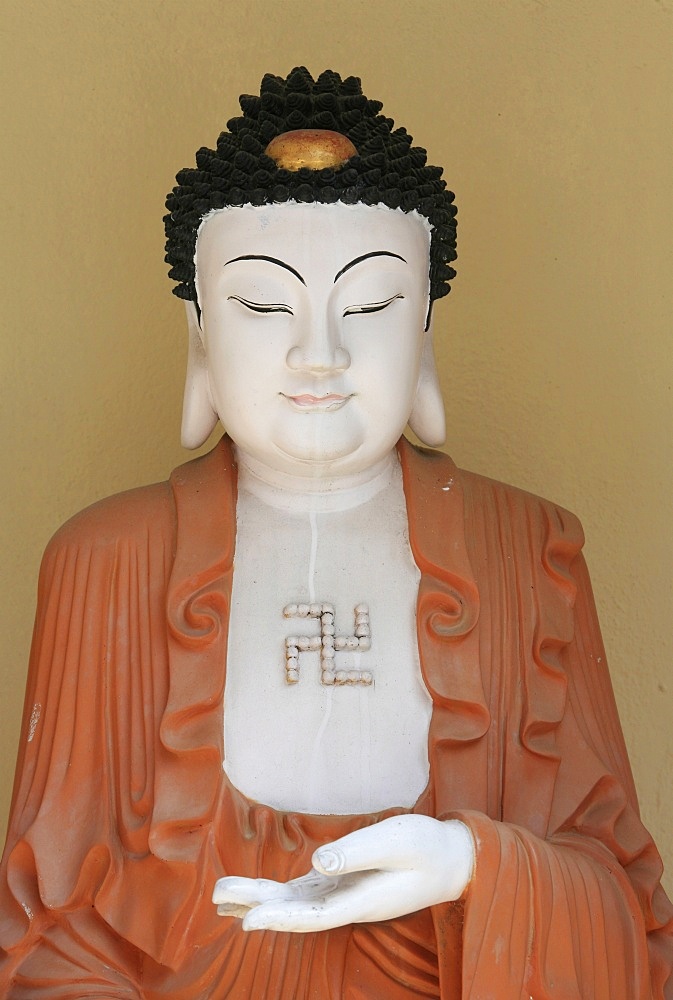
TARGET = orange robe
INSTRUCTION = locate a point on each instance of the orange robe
(122, 816)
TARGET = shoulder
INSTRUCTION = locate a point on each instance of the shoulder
(486, 499)
(514, 502)
(149, 515)
(132, 515)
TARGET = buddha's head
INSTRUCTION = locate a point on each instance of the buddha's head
(309, 247)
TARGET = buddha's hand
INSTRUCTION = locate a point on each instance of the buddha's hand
(397, 866)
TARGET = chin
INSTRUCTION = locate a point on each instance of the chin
(315, 445)
(300, 459)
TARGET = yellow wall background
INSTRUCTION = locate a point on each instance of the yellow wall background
(552, 120)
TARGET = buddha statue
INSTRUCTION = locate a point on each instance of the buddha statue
(323, 716)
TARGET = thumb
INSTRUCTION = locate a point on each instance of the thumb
(378, 846)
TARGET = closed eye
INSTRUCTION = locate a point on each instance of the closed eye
(371, 307)
(262, 307)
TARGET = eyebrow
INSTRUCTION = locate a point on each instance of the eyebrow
(366, 256)
(272, 260)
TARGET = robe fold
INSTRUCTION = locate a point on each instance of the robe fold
(123, 818)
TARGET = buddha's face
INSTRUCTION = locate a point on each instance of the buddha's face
(312, 319)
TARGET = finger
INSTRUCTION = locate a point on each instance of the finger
(313, 885)
(358, 899)
(297, 916)
(232, 910)
(245, 891)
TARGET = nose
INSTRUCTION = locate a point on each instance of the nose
(318, 349)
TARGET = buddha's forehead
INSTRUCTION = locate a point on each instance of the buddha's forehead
(312, 235)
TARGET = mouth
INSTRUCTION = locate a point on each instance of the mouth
(306, 401)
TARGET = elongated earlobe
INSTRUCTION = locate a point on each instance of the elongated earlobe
(427, 419)
(198, 414)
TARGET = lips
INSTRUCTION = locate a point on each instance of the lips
(307, 401)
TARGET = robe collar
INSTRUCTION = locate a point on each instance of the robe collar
(189, 780)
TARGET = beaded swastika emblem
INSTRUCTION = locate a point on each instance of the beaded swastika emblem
(327, 644)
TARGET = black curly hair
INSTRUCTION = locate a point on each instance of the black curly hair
(387, 169)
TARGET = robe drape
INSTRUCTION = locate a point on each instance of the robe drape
(122, 817)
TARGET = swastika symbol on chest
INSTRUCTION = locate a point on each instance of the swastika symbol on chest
(327, 643)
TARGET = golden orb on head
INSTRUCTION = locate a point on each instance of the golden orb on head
(314, 148)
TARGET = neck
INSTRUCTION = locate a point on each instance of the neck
(305, 493)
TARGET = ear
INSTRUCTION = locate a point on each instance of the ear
(198, 414)
(427, 419)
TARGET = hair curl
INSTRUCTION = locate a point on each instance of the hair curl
(388, 170)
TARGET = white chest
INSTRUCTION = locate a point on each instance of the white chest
(309, 746)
